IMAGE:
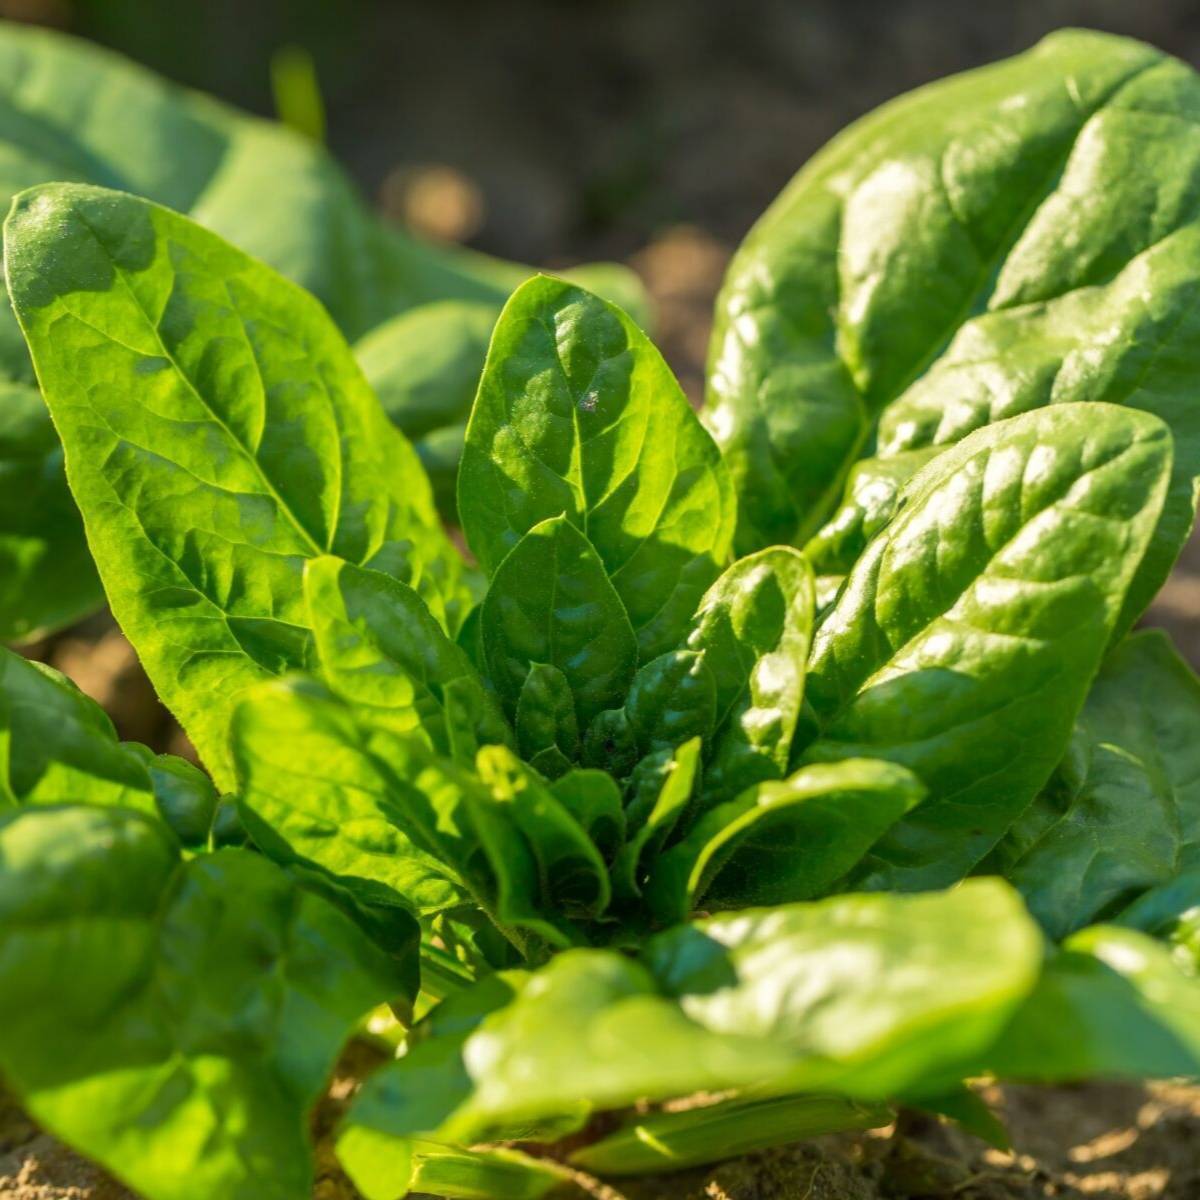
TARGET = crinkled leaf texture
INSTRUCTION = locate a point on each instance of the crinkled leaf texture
(424, 364)
(754, 629)
(399, 825)
(782, 840)
(1014, 237)
(964, 641)
(578, 416)
(72, 111)
(173, 1021)
(379, 647)
(1122, 814)
(218, 434)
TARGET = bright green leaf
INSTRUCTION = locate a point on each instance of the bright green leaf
(577, 414)
(176, 1022)
(781, 841)
(380, 648)
(218, 434)
(57, 746)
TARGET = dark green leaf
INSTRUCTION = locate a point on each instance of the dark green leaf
(185, 796)
(673, 698)
(577, 414)
(424, 366)
(46, 574)
(754, 626)
(965, 638)
(610, 745)
(594, 800)
(948, 230)
(661, 793)
(1013, 237)
(1123, 814)
(547, 729)
(1129, 1010)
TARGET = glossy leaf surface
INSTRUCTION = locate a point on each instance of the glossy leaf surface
(754, 627)
(577, 414)
(383, 814)
(550, 602)
(150, 1021)
(803, 997)
(963, 643)
(1016, 236)
(218, 434)
(782, 841)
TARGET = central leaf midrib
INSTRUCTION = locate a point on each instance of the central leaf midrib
(239, 445)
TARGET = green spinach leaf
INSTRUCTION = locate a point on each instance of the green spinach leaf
(550, 602)
(218, 434)
(1123, 812)
(781, 841)
(964, 641)
(753, 627)
(147, 1020)
(380, 648)
(577, 414)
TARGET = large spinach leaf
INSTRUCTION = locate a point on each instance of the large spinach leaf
(577, 414)
(71, 111)
(778, 1000)
(218, 435)
(174, 1021)
(1122, 813)
(1017, 236)
(964, 641)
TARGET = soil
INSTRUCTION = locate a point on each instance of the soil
(1099, 1142)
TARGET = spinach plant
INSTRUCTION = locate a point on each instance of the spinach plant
(609, 814)
(71, 111)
